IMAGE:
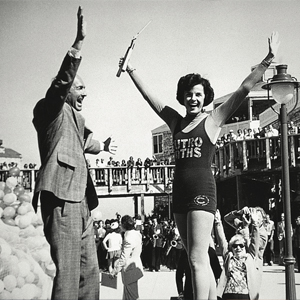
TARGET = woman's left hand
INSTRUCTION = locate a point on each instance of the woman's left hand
(113, 274)
(274, 43)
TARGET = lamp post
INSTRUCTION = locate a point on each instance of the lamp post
(282, 86)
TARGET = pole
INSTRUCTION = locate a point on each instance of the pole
(289, 260)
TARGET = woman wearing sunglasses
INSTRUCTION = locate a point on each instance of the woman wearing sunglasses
(239, 276)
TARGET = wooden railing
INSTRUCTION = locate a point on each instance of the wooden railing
(110, 176)
(238, 156)
(255, 154)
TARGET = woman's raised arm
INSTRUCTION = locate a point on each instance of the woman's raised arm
(224, 111)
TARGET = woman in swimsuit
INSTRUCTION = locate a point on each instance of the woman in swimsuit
(194, 138)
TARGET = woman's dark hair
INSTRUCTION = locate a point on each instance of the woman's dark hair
(186, 82)
(127, 222)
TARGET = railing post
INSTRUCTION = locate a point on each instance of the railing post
(292, 150)
(143, 206)
(147, 179)
(128, 179)
(165, 176)
(109, 180)
(268, 155)
(231, 156)
(221, 151)
(32, 180)
(245, 159)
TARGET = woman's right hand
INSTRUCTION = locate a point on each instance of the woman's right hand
(129, 66)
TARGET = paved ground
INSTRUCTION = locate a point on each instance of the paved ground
(161, 285)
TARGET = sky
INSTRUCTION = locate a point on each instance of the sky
(221, 40)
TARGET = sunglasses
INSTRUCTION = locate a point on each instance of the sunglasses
(234, 246)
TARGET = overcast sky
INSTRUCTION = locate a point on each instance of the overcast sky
(221, 40)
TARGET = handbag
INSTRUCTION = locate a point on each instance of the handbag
(108, 281)
(132, 275)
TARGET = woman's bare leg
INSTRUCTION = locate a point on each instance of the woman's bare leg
(199, 227)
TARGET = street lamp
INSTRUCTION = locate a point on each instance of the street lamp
(283, 86)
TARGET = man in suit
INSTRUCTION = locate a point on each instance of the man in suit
(63, 184)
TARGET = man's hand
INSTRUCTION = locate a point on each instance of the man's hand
(81, 25)
(110, 146)
(81, 29)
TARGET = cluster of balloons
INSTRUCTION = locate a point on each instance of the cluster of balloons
(20, 276)
(15, 203)
(24, 252)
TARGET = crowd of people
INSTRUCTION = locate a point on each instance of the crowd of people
(8, 165)
(255, 133)
(162, 244)
(243, 255)
(131, 162)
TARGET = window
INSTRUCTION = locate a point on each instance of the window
(157, 144)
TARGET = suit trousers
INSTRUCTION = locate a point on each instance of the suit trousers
(68, 228)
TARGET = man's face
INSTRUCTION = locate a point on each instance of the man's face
(77, 94)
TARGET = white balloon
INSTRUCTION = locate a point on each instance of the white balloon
(11, 182)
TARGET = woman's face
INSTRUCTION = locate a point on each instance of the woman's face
(238, 248)
(194, 99)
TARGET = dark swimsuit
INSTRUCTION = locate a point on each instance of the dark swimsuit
(194, 186)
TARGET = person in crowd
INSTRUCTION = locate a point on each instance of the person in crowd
(119, 217)
(100, 163)
(271, 131)
(260, 133)
(63, 184)
(156, 233)
(32, 166)
(4, 166)
(130, 166)
(281, 238)
(110, 162)
(96, 234)
(296, 240)
(147, 245)
(269, 252)
(147, 163)
(239, 278)
(101, 253)
(250, 134)
(292, 128)
(240, 135)
(240, 219)
(107, 226)
(232, 136)
(138, 224)
(138, 165)
(194, 139)
(245, 133)
(130, 261)
(173, 246)
(112, 244)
